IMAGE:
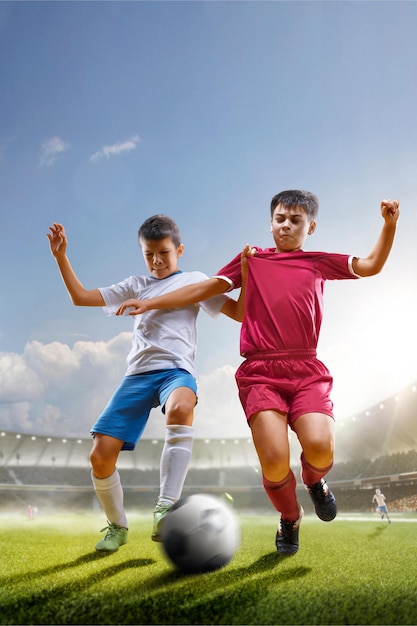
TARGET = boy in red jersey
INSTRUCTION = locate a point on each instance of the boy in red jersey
(281, 382)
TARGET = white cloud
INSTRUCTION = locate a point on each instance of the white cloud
(116, 148)
(51, 150)
(15, 416)
(219, 413)
(19, 382)
(60, 389)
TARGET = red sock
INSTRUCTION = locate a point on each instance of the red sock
(283, 497)
(311, 475)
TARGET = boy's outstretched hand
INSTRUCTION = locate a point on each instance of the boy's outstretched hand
(57, 239)
(390, 211)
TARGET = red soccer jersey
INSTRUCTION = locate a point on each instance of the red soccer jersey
(284, 297)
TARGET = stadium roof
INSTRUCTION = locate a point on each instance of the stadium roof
(17, 449)
(385, 428)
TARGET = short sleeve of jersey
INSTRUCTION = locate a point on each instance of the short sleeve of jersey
(334, 266)
(331, 266)
(231, 272)
(115, 295)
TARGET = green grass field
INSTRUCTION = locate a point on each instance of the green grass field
(360, 571)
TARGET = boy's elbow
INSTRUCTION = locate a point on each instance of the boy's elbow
(84, 299)
(216, 286)
(373, 270)
(368, 273)
(239, 316)
(366, 269)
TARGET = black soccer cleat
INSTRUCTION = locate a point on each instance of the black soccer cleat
(286, 539)
(323, 500)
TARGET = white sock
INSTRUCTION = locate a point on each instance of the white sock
(110, 495)
(175, 460)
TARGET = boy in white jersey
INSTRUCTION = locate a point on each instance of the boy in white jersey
(160, 371)
(281, 382)
(381, 504)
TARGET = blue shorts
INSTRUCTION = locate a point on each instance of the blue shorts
(127, 412)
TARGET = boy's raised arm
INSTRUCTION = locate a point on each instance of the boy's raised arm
(375, 261)
(178, 298)
(79, 295)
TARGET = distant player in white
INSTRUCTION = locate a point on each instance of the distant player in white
(381, 506)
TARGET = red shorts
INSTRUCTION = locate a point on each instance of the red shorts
(293, 386)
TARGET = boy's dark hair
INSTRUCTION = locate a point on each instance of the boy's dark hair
(294, 197)
(158, 227)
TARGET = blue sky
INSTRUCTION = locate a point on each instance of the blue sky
(113, 111)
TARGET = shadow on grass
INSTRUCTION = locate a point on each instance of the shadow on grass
(265, 563)
(219, 582)
(210, 597)
(82, 560)
(153, 599)
(377, 531)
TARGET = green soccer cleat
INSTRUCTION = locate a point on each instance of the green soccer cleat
(159, 513)
(115, 537)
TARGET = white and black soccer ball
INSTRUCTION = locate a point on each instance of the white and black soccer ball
(200, 534)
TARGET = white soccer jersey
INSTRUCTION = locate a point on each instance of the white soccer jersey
(163, 338)
(379, 498)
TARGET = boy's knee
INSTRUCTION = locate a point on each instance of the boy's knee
(96, 459)
(319, 453)
(274, 467)
(180, 411)
(101, 464)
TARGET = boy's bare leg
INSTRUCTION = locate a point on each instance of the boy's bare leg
(270, 436)
(315, 432)
(104, 455)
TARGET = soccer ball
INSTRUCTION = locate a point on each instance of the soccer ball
(200, 534)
